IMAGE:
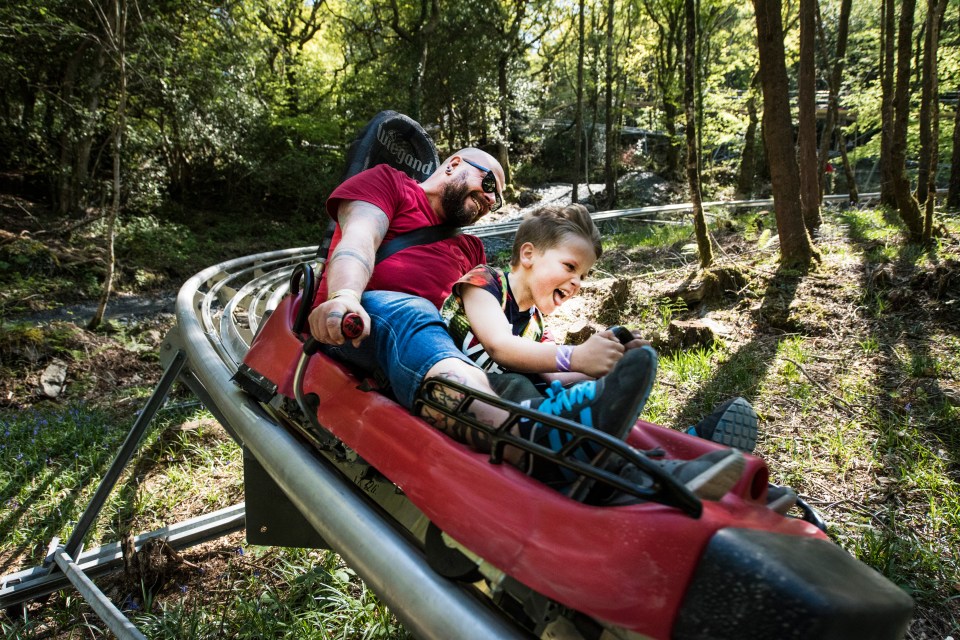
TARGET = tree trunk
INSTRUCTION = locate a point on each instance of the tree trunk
(693, 156)
(503, 146)
(888, 32)
(853, 195)
(807, 103)
(953, 193)
(578, 136)
(935, 9)
(929, 111)
(906, 203)
(116, 35)
(796, 249)
(836, 76)
(668, 19)
(612, 137)
(670, 111)
(748, 159)
(75, 124)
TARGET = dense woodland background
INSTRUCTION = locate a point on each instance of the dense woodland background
(143, 141)
(114, 107)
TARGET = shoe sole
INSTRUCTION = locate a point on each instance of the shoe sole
(580, 487)
(641, 399)
(738, 427)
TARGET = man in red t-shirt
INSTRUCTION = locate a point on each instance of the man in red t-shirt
(408, 340)
(402, 294)
(426, 270)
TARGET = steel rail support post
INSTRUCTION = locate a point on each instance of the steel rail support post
(106, 610)
(130, 444)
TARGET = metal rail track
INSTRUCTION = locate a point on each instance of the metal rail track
(218, 312)
(649, 214)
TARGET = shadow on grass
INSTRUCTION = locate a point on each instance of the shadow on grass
(911, 417)
(68, 508)
(907, 410)
(745, 370)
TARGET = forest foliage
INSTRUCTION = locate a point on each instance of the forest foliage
(243, 103)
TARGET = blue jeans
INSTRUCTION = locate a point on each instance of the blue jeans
(407, 338)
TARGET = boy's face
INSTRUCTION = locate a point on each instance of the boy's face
(556, 274)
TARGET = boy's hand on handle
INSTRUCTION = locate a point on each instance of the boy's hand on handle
(327, 321)
(598, 355)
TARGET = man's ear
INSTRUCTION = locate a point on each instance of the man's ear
(527, 253)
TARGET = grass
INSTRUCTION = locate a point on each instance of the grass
(854, 389)
(855, 403)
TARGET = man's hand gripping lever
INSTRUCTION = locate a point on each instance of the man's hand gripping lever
(335, 321)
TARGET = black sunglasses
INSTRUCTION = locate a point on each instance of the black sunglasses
(489, 183)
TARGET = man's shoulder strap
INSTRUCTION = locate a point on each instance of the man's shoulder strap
(423, 235)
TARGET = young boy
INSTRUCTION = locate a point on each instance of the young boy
(496, 318)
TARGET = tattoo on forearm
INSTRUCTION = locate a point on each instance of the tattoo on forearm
(352, 254)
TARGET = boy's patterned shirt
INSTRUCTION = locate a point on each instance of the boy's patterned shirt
(526, 324)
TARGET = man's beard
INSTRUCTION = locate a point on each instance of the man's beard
(452, 202)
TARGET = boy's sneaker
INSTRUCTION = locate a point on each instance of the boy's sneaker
(611, 404)
(710, 477)
(733, 423)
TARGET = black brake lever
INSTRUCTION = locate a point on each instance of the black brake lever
(622, 334)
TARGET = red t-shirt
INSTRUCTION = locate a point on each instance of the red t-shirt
(426, 270)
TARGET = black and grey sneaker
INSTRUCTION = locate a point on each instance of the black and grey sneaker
(709, 477)
(733, 423)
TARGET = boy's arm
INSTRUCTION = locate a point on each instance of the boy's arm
(595, 357)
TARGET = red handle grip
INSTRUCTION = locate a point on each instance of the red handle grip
(351, 326)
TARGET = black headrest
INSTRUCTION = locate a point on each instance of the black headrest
(395, 139)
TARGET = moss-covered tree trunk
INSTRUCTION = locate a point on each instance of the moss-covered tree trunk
(833, 107)
(906, 204)
(611, 137)
(953, 192)
(693, 155)
(929, 117)
(578, 128)
(796, 249)
(115, 28)
(807, 115)
(748, 158)
(887, 37)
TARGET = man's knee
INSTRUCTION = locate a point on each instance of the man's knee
(465, 373)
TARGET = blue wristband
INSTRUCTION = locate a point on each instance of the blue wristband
(563, 357)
